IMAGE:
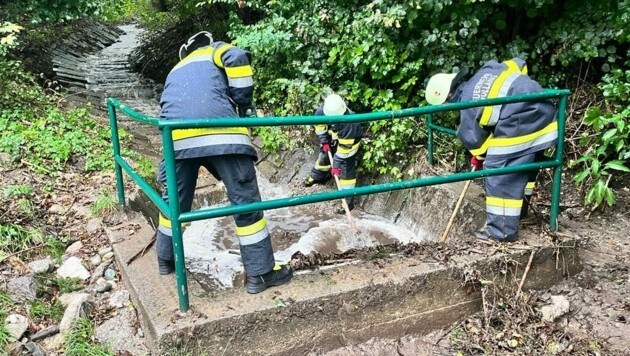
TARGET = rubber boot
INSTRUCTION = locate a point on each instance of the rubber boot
(279, 275)
(165, 266)
(484, 235)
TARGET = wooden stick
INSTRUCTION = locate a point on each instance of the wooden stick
(344, 203)
(459, 203)
(529, 264)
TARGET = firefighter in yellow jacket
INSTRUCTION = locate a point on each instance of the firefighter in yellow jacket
(500, 136)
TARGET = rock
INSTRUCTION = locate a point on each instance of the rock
(102, 288)
(110, 274)
(5, 160)
(96, 260)
(104, 251)
(16, 325)
(35, 349)
(98, 272)
(15, 349)
(74, 248)
(41, 266)
(93, 225)
(72, 268)
(80, 305)
(119, 299)
(108, 256)
(558, 307)
(42, 334)
(22, 288)
(118, 333)
(56, 209)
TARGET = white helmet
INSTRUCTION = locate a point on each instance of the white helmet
(334, 105)
(441, 84)
(200, 39)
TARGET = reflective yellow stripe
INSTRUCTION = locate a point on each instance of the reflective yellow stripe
(512, 67)
(188, 133)
(347, 181)
(239, 72)
(524, 70)
(530, 185)
(346, 141)
(482, 150)
(504, 203)
(511, 141)
(345, 150)
(253, 228)
(218, 53)
(164, 221)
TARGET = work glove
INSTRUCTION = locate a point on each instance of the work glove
(325, 147)
(335, 171)
(476, 163)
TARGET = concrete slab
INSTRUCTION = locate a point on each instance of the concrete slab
(324, 310)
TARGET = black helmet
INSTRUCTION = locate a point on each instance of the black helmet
(201, 39)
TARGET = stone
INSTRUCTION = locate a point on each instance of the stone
(119, 299)
(74, 248)
(79, 306)
(108, 256)
(93, 225)
(16, 325)
(22, 288)
(96, 260)
(558, 307)
(104, 251)
(56, 209)
(98, 272)
(14, 349)
(118, 333)
(5, 160)
(43, 334)
(35, 349)
(102, 288)
(110, 274)
(41, 266)
(73, 268)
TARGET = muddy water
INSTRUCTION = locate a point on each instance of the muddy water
(211, 246)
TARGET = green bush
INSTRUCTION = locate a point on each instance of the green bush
(607, 141)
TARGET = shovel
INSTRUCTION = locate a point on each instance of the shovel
(344, 203)
(459, 203)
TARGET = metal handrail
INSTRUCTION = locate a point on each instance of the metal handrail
(172, 211)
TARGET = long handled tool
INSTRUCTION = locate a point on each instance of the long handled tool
(344, 203)
(459, 203)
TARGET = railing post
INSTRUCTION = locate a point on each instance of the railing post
(430, 137)
(113, 124)
(557, 171)
(176, 226)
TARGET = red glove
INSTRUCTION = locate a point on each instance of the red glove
(325, 147)
(476, 163)
(335, 171)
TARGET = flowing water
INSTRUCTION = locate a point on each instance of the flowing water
(211, 246)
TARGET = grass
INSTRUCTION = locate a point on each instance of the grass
(55, 247)
(39, 311)
(105, 203)
(81, 341)
(68, 285)
(17, 191)
(5, 306)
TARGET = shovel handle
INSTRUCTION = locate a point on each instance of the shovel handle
(457, 206)
(344, 203)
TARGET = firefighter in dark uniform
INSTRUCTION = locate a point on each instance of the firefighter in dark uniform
(500, 136)
(343, 141)
(214, 80)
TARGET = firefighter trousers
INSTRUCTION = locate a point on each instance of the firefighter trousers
(239, 176)
(347, 165)
(504, 195)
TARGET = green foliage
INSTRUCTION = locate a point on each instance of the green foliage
(39, 311)
(14, 238)
(17, 191)
(81, 341)
(378, 54)
(274, 138)
(50, 11)
(68, 285)
(104, 204)
(607, 142)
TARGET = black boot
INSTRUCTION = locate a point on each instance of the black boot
(342, 211)
(165, 266)
(525, 208)
(484, 235)
(279, 275)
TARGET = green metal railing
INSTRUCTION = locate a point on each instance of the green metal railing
(173, 213)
